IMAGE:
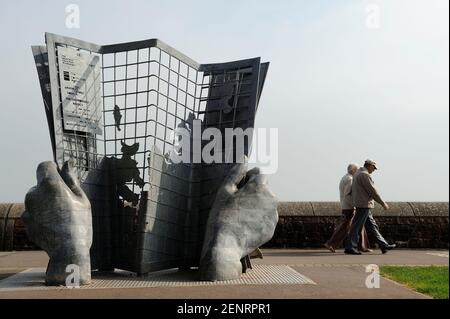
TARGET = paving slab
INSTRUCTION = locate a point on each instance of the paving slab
(33, 278)
(334, 276)
(323, 256)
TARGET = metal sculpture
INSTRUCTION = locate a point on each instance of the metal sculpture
(114, 110)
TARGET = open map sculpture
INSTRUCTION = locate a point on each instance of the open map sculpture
(113, 111)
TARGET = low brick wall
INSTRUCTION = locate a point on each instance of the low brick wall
(408, 224)
(301, 225)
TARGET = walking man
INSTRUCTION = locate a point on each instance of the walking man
(348, 211)
(364, 194)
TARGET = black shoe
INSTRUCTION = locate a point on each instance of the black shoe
(352, 252)
(385, 249)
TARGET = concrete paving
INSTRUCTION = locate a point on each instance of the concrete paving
(336, 276)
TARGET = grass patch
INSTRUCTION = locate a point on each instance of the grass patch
(429, 280)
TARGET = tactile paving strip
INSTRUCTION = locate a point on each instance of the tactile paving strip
(33, 279)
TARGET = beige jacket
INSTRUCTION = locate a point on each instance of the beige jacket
(364, 192)
(345, 191)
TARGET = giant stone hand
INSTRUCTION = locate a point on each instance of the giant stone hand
(243, 218)
(58, 218)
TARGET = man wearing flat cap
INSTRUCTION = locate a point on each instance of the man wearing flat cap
(364, 195)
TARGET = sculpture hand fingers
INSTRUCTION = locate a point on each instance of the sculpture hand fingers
(256, 178)
(36, 209)
(235, 176)
(254, 182)
(49, 185)
(47, 172)
(68, 175)
(252, 172)
(248, 176)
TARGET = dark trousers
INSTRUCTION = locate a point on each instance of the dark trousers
(342, 229)
(363, 218)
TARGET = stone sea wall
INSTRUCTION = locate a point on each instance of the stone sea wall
(301, 225)
(408, 224)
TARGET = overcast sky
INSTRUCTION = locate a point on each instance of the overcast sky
(343, 84)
